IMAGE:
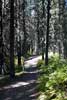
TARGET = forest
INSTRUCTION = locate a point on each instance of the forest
(33, 49)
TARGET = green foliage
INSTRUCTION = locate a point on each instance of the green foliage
(54, 80)
(40, 63)
(28, 54)
(7, 64)
(18, 69)
(7, 60)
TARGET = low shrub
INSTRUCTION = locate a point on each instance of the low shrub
(54, 80)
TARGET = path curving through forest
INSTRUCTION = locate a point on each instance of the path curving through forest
(25, 86)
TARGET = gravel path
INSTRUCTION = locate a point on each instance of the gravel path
(25, 86)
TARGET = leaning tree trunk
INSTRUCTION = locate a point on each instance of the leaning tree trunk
(12, 69)
(47, 34)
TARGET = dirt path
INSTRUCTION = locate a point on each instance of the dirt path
(25, 86)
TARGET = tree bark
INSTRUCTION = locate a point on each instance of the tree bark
(24, 49)
(1, 38)
(43, 16)
(12, 69)
(19, 42)
(19, 51)
(38, 35)
(47, 34)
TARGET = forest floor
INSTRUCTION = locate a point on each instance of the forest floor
(24, 87)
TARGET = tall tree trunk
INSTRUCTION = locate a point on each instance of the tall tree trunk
(43, 16)
(60, 24)
(19, 51)
(64, 9)
(38, 35)
(1, 38)
(12, 69)
(24, 31)
(18, 39)
(37, 28)
(19, 42)
(47, 34)
(43, 50)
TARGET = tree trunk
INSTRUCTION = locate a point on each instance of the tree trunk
(42, 50)
(19, 51)
(47, 34)
(19, 42)
(12, 69)
(24, 49)
(43, 16)
(1, 38)
(65, 30)
(38, 35)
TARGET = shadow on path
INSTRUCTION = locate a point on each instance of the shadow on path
(23, 88)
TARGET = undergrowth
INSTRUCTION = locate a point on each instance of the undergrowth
(53, 83)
